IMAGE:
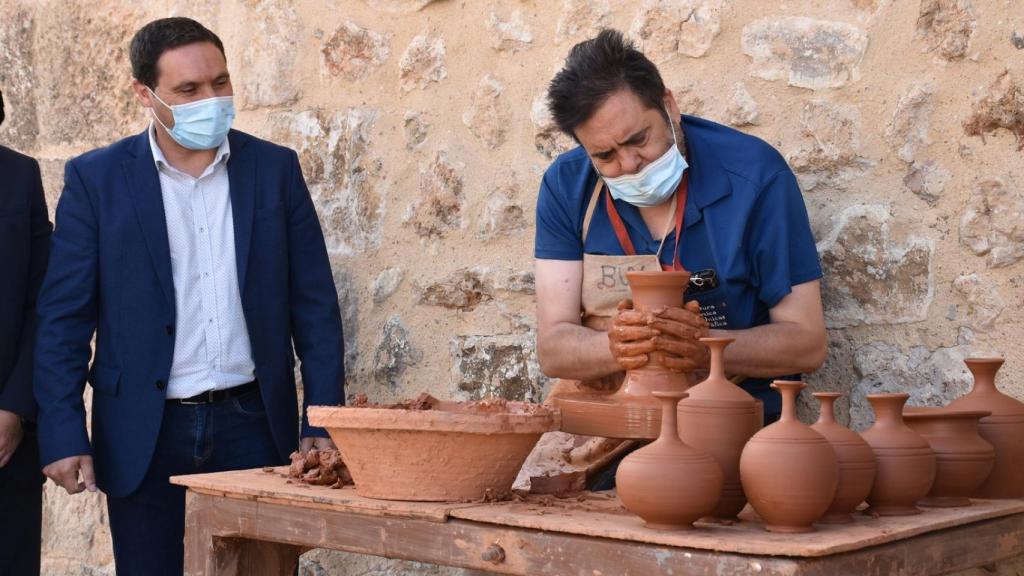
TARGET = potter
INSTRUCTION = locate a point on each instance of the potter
(650, 187)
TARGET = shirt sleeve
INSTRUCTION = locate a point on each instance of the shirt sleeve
(782, 248)
(557, 232)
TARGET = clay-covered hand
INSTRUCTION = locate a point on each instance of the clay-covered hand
(309, 442)
(630, 337)
(679, 333)
(10, 435)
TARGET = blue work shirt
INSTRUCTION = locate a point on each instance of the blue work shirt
(745, 225)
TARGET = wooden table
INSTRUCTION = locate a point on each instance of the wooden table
(255, 522)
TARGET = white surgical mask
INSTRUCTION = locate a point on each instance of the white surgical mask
(656, 182)
(200, 125)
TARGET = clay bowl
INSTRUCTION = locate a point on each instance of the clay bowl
(452, 452)
(963, 460)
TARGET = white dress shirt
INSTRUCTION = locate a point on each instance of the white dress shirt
(211, 342)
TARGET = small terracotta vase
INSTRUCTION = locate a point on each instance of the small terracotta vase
(667, 483)
(856, 462)
(789, 472)
(651, 290)
(905, 462)
(719, 418)
(963, 460)
(1004, 429)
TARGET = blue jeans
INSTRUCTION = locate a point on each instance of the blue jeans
(148, 526)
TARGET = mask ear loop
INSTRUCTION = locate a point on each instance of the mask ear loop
(165, 105)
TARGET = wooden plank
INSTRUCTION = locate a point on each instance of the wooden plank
(605, 517)
(475, 545)
(273, 487)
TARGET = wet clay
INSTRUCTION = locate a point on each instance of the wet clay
(453, 452)
(855, 458)
(631, 411)
(319, 468)
(1004, 429)
(963, 460)
(905, 463)
(789, 472)
(667, 483)
(719, 418)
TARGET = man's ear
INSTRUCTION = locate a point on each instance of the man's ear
(142, 93)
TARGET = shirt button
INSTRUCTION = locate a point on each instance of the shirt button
(170, 330)
(160, 385)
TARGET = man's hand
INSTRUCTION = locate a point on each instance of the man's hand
(74, 473)
(309, 442)
(630, 338)
(10, 435)
(679, 333)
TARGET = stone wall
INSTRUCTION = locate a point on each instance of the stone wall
(423, 135)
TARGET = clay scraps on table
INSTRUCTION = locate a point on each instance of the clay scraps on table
(422, 402)
(425, 402)
(320, 468)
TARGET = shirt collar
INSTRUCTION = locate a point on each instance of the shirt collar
(223, 151)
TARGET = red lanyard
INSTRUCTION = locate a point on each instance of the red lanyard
(620, 227)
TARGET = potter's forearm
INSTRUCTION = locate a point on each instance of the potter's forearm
(576, 352)
(773, 350)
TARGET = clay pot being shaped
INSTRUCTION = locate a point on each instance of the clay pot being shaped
(789, 472)
(963, 460)
(651, 290)
(719, 418)
(1004, 429)
(855, 458)
(631, 412)
(905, 462)
(667, 483)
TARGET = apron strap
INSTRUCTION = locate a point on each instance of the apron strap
(590, 208)
(678, 208)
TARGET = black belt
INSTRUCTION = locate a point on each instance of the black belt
(212, 396)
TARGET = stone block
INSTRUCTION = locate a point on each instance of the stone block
(871, 276)
(665, 28)
(439, 207)
(502, 366)
(945, 27)
(830, 154)
(582, 19)
(399, 6)
(415, 128)
(352, 52)
(269, 48)
(927, 180)
(488, 116)
(464, 290)
(992, 223)
(907, 130)
(808, 53)
(1000, 106)
(742, 109)
(395, 354)
(386, 283)
(502, 214)
(17, 80)
(509, 35)
(422, 62)
(547, 138)
(981, 300)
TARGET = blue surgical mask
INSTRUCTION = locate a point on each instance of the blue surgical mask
(200, 125)
(655, 183)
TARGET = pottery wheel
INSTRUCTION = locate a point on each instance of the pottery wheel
(610, 415)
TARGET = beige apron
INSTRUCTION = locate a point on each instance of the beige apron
(567, 459)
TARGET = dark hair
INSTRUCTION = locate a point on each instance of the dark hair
(159, 36)
(594, 70)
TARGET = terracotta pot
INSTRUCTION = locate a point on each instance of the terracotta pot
(905, 462)
(1004, 429)
(789, 472)
(962, 459)
(631, 412)
(451, 452)
(667, 483)
(719, 418)
(855, 458)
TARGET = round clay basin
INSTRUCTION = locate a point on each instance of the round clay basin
(448, 453)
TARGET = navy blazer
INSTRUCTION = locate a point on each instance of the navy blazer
(110, 274)
(24, 244)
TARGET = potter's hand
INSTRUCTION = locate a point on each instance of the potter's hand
(10, 435)
(630, 338)
(65, 472)
(313, 442)
(680, 332)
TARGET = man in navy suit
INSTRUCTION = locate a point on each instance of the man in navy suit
(194, 254)
(24, 245)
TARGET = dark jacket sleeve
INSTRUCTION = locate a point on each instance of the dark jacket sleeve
(17, 391)
(67, 320)
(316, 317)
